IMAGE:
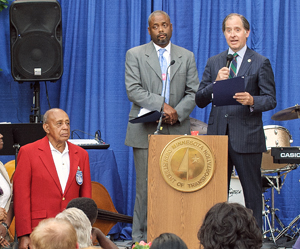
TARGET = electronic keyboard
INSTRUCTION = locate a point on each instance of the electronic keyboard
(89, 143)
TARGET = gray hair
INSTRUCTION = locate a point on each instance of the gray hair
(81, 224)
(46, 115)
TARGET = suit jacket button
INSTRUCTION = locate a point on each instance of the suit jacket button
(63, 198)
(226, 115)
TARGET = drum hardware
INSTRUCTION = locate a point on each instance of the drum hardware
(292, 230)
(287, 114)
(269, 225)
(267, 210)
(275, 181)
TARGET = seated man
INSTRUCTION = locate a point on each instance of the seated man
(54, 234)
(81, 224)
(230, 225)
(89, 207)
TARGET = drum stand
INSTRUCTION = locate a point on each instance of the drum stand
(291, 231)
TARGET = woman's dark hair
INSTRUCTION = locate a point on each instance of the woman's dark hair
(230, 225)
(168, 241)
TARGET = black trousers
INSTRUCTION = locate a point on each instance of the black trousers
(248, 169)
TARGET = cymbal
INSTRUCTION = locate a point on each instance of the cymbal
(197, 125)
(287, 114)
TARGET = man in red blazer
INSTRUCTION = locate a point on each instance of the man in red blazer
(50, 173)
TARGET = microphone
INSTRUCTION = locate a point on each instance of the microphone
(98, 137)
(162, 107)
(229, 59)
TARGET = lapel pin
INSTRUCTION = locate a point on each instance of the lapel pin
(249, 60)
(79, 176)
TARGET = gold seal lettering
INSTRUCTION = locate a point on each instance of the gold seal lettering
(187, 163)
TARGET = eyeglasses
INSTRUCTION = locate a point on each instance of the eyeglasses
(1, 191)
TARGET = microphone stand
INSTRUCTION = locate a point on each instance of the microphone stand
(16, 146)
(159, 127)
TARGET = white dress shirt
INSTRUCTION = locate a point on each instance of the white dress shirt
(62, 164)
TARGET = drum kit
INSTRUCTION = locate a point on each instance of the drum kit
(274, 175)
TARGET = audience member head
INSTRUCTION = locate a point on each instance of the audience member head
(87, 205)
(81, 224)
(54, 234)
(230, 225)
(168, 241)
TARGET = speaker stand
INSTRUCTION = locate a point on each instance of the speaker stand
(36, 117)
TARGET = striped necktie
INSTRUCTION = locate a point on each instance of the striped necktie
(233, 66)
(164, 66)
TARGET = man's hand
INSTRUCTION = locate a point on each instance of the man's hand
(223, 74)
(244, 98)
(171, 115)
(24, 242)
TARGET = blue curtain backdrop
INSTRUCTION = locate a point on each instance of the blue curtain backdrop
(96, 36)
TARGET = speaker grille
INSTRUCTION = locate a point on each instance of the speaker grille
(36, 42)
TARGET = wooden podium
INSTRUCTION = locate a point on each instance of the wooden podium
(178, 212)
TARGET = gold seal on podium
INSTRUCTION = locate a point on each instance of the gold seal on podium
(187, 163)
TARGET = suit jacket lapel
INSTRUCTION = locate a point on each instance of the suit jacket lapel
(152, 59)
(246, 63)
(175, 55)
(47, 160)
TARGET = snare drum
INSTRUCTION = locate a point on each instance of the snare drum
(276, 136)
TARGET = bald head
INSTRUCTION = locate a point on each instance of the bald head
(51, 112)
(56, 124)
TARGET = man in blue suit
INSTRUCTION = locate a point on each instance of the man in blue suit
(242, 123)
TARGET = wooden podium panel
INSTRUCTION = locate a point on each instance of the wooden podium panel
(182, 213)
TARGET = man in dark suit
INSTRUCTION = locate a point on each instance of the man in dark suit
(242, 123)
(143, 81)
(50, 173)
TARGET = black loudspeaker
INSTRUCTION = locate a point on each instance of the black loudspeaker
(36, 40)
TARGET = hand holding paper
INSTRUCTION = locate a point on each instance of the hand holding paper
(224, 90)
(244, 98)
